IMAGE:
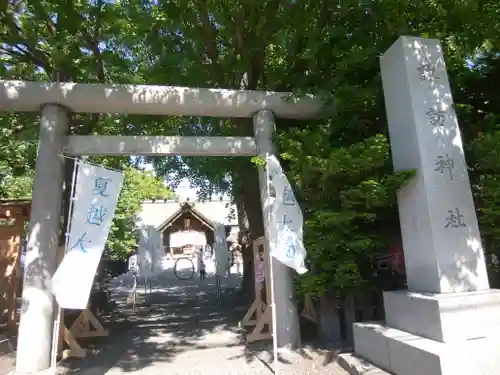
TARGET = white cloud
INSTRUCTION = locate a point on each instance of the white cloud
(185, 191)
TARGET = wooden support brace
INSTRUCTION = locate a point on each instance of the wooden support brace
(75, 350)
(260, 309)
(87, 325)
(258, 306)
(264, 328)
(254, 313)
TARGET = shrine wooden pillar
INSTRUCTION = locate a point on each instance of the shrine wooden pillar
(13, 215)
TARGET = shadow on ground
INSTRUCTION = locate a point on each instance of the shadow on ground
(184, 329)
(173, 320)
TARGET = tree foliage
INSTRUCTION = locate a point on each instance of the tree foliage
(350, 209)
(340, 166)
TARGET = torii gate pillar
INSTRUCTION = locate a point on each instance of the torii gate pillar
(288, 329)
(37, 311)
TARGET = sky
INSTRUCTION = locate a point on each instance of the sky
(184, 191)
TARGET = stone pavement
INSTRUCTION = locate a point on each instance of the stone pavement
(185, 331)
(7, 353)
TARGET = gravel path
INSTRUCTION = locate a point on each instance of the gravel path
(184, 331)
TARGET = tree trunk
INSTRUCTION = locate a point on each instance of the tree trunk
(328, 320)
(367, 306)
(69, 165)
(247, 284)
(247, 194)
(250, 195)
(349, 307)
(379, 307)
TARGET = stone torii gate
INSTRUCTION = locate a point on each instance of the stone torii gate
(426, 328)
(56, 101)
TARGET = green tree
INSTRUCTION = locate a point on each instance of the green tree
(479, 116)
(17, 187)
(348, 196)
(324, 47)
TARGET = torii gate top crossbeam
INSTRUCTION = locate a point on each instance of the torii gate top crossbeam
(25, 96)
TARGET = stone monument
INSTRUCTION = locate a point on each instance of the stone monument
(448, 321)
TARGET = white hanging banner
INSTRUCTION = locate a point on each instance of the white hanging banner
(286, 221)
(221, 250)
(132, 263)
(96, 194)
(150, 251)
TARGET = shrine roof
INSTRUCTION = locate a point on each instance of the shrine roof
(158, 212)
(15, 202)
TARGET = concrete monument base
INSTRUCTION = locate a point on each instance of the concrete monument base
(446, 317)
(434, 334)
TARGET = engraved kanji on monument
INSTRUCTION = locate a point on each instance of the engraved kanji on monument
(441, 241)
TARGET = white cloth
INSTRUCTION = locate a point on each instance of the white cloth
(221, 250)
(150, 251)
(96, 194)
(286, 221)
(132, 263)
